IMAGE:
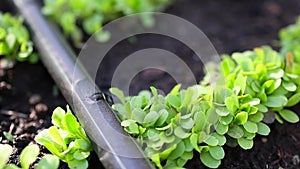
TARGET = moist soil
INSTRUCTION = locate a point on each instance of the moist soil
(28, 95)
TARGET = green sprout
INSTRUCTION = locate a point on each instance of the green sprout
(66, 139)
(78, 16)
(258, 89)
(15, 43)
(27, 157)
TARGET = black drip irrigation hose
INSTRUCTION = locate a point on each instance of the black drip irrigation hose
(82, 94)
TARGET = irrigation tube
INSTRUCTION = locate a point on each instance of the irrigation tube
(82, 96)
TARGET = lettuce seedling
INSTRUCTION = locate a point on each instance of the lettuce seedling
(170, 128)
(258, 89)
(89, 16)
(15, 43)
(66, 139)
(27, 157)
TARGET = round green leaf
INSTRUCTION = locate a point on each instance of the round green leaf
(245, 143)
(187, 124)
(226, 119)
(241, 117)
(138, 115)
(221, 138)
(29, 155)
(293, 100)
(48, 162)
(163, 115)
(180, 133)
(177, 152)
(289, 86)
(74, 164)
(276, 101)
(221, 129)
(211, 140)
(263, 129)
(235, 131)
(208, 160)
(257, 117)
(151, 118)
(217, 152)
(251, 127)
(289, 116)
(5, 150)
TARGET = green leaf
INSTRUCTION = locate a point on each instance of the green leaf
(293, 100)
(177, 152)
(180, 133)
(163, 115)
(134, 128)
(6, 151)
(289, 116)
(208, 160)
(276, 74)
(8, 136)
(217, 152)
(257, 117)
(289, 86)
(48, 162)
(81, 155)
(44, 139)
(83, 144)
(76, 164)
(150, 118)
(221, 129)
(138, 115)
(29, 155)
(11, 166)
(70, 124)
(166, 153)
(175, 89)
(117, 92)
(200, 120)
(136, 102)
(173, 100)
(263, 129)
(57, 117)
(56, 137)
(194, 140)
(221, 138)
(211, 140)
(245, 143)
(251, 127)
(187, 124)
(241, 117)
(226, 120)
(235, 132)
(276, 101)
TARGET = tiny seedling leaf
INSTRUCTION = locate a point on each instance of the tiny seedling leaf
(48, 162)
(29, 155)
(6, 151)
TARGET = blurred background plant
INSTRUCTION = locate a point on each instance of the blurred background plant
(15, 43)
(79, 17)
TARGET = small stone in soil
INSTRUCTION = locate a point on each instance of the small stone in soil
(264, 140)
(34, 99)
(41, 108)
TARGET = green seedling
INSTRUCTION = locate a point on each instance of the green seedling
(66, 139)
(257, 90)
(15, 43)
(27, 157)
(75, 15)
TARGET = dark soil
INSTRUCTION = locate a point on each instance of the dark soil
(28, 95)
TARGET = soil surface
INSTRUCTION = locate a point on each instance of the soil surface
(28, 95)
